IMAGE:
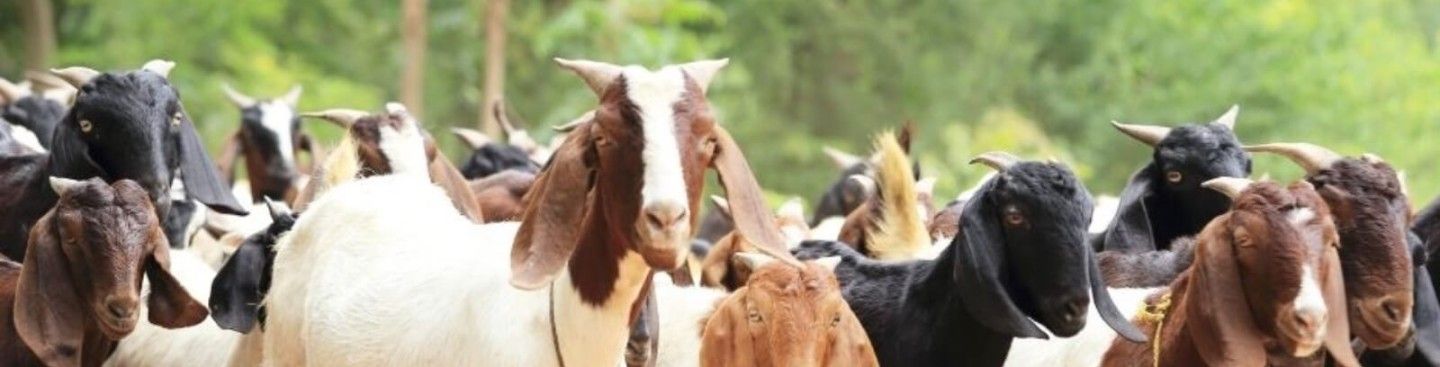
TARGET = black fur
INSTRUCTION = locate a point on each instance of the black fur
(1154, 211)
(253, 130)
(842, 196)
(244, 280)
(493, 158)
(37, 113)
(1423, 347)
(965, 307)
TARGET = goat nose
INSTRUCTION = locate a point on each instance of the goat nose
(664, 215)
(1075, 310)
(1395, 309)
(121, 307)
(1309, 319)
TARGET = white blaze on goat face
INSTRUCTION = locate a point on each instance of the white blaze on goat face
(1310, 299)
(404, 148)
(277, 117)
(655, 95)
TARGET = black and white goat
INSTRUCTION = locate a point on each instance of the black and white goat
(270, 138)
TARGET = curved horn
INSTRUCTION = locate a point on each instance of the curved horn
(1228, 119)
(9, 92)
(497, 109)
(1149, 134)
(62, 185)
(704, 71)
(1230, 186)
(239, 99)
(1311, 157)
(589, 115)
(1372, 158)
(44, 82)
(75, 75)
(292, 97)
(342, 117)
(597, 75)
(1000, 161)
(472, 138)
(841, 159)
(159, 66)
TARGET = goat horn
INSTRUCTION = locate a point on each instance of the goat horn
(590, 115)
(472, 138)
(62, 185)
(9, 92)
(1000, 161)
(277, 210)
(292, 97)
(753, 260)
(44, 82)
(704, 71)
(159, 66)
(497, 109)
(1230, 186)
(597, 75)
(340, 116)
(841, 159)
(1149, 134)
(75, 75)
(1228, 119)
(396, 108)
(1371, 158)
(865, 182)
(720, 203)
(1311, 157)
(239, 99)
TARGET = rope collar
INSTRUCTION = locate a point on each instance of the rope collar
(554, 331)
(1156, 314)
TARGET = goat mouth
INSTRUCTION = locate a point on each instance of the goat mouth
(1378, 333)
(1301, 341)
(116, 328)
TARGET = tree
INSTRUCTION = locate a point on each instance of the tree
(412, 81)
(495, 16)
(39, 22)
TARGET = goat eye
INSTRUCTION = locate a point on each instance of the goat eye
(755, 317)
(835, 321)
(86, 126)
(1013, 217)
(1174, 176)
(175, 119)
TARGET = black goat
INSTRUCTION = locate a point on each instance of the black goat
(127, 125)
(243, 281)
(488, 157)
(37, 112)
(1164, 200)
(1020, 255)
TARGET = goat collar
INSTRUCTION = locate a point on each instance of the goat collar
(1156, 313)
(555, 332)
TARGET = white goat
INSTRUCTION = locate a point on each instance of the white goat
(1085, 349)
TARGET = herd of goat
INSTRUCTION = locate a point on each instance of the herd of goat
(121, 239)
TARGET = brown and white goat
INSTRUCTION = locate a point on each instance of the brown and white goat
(1265, 287)
(78, 291)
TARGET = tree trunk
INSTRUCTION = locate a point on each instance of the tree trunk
(412, 82)
(494, 90)
(39, 22)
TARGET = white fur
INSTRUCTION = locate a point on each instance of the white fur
(204, 344)
(680, 311)
(385, 271)
(1310, 299)
(1300, 216)
(277, 116)
(655, 94)
(1085, 349)
(405, 149)
(828, 229)
(25, 137)
(1105, 208)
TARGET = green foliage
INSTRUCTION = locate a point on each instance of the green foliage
(1040, 78)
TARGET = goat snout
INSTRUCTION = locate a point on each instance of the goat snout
(1307, 330)
(664, 216)
(1386, 319)
(664, 233)
(1075, 310)
(118, 314)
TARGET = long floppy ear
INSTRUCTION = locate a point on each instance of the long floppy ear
(851, 345)
(554, 210)
(1225, 332)
(171, 306)
(444, 174)
(229, 153)
(1104, 305)
(1130, 231)
(715, 269)
(726, 340)
(753, 220)
(235, 293)
(69, 155)
(1337, 329)
(198, 172)
(979, 267)
(1426, 315)
(48, 313)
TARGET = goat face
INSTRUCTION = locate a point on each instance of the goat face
(270, 131)
(244, 280)
(1192, 154)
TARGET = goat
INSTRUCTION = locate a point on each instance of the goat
(716, 266)
(121, 126)
(890, 225)
(612, 204)
(846, 193)
(382, 142)
(1020, 255)
(35, 112)
(1371, 210)
(78, 291)
(1283, 245)
(488, 157)
(270, 138)
(1164, 201)
(501, 196)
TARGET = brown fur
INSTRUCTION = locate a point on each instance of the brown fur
(500, 195)
(1247, 268)
(718, 270)
(82, 270)
(786, 316)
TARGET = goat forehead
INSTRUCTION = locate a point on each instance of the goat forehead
(654, 95)
(278, 118)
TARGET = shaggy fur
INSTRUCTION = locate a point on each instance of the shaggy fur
(890, 225)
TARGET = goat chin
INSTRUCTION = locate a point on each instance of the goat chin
(204, 344)
(682, 311)
(1085, 349)
(385, 271)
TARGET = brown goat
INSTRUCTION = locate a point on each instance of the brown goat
(718, 269)
(501, 196)
(78, 291)
(788, 314)
(1372, 213)
(1264, 280)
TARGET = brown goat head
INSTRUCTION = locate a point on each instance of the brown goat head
(720, 269)
(787, 315)
(80, 282)
(633, 173)
(1372, 215)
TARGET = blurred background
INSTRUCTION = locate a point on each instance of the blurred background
(1039, 78)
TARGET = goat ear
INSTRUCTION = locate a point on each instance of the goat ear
(235, 293)
(202, 182)
(752, 217)
(229, 154)
(726, 340)
(979, 263)
(1130, 231)
(1426, 317)
(554, 212)
(1105, 306)
(851, 345)
(171, 306)
(715, 269)
(1337, 329)
(1225, 332)
(48, 313)
(445, 175)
